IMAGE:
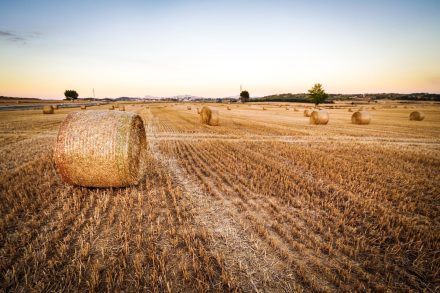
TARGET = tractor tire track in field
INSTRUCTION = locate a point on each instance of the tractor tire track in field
(247, 256)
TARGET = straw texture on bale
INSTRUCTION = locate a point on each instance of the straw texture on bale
(101, 149)
(307, 113)
(319, 117)
(209, 117)
(83, 107)
(48, 109)
(361, 117)
(416, 116)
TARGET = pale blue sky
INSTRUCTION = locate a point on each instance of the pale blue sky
(209, 48)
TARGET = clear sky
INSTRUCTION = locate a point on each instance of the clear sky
(209, 48)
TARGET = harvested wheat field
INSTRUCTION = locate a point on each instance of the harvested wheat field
(263, 201)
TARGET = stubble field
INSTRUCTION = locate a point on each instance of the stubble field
(263, 202)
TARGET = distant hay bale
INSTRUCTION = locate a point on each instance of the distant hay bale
(307, 112)
(83, 107)
(319, 117)
(56, 107)
(122, 108)
(198, 111)
(100, 148)
(373, 108)
(264, 108)
(48, 109)
(116, 105)
(361, 117)
(350, 110)
(229, 108)
(111, 107)
(287, 108)
(416, 116)
(295, 109)
(209, 117)
(188, 107)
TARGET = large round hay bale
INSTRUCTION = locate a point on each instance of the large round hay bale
(416, 116)
(361, 117)
(101, 149)
(209, 117)
(83, 107)
(319, 117)
(307, 112)
(48, 109)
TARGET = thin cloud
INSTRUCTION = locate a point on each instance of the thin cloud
(18, 38)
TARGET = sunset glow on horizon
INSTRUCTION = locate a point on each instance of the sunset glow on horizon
(207, 48)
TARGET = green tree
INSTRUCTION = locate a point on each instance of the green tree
(244, 96)
(71, 94)
(317, 94)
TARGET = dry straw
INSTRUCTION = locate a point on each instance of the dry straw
(48, 109)
(307, 112)
(101, 149)
(416, 116)
(209, 117)
(361, 117)
(319, 117)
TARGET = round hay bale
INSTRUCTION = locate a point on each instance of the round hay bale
(373, 108)
(264, 108)
(111, 107)
(122, 108)
(188, 108)
(229, 108)
(350, 110)
(287, 108)
(209, 117)
(319, 117)
(116, 105)
(48, 109)
(101, 148)
(361, 117)
(295, 109)
(83, 107)
(416, 116)
(307, 113)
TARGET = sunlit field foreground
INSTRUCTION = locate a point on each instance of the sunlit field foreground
(264, 201)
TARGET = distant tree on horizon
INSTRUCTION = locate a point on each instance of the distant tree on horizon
(244, 96)
(317, 94)
(71, 94)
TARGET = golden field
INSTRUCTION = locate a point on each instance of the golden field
(262, 202)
